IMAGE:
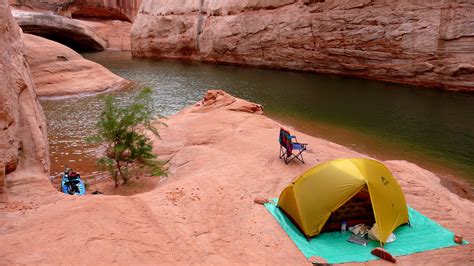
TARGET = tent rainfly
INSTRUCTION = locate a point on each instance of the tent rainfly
(312, 197)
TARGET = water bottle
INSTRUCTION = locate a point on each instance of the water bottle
(343, 227)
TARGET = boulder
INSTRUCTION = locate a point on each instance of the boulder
(217, 99)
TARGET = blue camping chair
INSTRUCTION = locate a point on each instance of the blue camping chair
(287, 146)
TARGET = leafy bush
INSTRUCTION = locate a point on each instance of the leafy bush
(120, 129)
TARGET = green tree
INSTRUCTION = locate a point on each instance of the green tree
(121, 129)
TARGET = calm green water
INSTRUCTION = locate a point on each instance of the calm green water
(432, 128)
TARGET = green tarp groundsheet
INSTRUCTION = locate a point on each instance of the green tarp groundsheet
(423, 234)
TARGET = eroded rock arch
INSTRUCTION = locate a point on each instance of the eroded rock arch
(69, 32)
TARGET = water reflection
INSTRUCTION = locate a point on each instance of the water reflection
(430, 127)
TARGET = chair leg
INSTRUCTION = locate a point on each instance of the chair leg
(283, 154)
(299, 156)
(287, 159)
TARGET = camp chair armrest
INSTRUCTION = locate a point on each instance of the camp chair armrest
(303, 144)
(294, 137)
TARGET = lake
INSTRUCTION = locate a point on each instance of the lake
(432, 128)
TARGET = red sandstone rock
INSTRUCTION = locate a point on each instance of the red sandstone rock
(24, 159)
(116, 33)
(260, 200)
(59, 71)
(215, 99)
(104, 9)
(202, 212)
(75, 33)
(428, 43)
(11, 165)
(23, 139)
(78, 34)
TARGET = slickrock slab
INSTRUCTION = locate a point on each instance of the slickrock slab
(59, 71)
(220, 158)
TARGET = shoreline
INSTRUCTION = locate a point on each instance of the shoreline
(434, 154)
(221, 154)
(457, 182)
(125, 85)
(454, 182)
(421, 85)
(423, 189)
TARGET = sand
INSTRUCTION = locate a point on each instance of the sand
(221, 154)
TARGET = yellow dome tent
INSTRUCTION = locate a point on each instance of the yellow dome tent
(312, 197)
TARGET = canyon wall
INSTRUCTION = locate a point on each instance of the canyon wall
(105, 9)
(23, 138)
(421, 42)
